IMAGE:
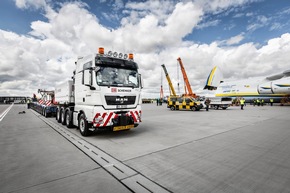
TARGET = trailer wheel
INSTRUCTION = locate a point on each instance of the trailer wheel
(45, 113)
(83, 125)
(68, 119)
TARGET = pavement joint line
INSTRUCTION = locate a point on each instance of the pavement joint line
(143, 186)
(54, 180)
(192, 141)
(130, 178)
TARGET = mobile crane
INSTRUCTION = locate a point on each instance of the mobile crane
(188, 100)
(172, 91)
(180, 103)
(188, 87)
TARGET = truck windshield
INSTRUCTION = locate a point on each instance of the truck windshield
(109, 76)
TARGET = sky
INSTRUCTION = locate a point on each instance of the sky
(41, 39)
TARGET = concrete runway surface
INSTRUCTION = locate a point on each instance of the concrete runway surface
(171, 151)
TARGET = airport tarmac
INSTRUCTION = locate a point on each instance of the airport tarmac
(229, 150)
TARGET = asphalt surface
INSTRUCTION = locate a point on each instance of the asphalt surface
(171, 151)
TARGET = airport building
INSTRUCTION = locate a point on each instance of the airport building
(13, 99)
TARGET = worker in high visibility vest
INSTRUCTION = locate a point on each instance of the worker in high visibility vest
(242, 102)
(207, 103)
(258, 102)
(28, 103)
(271, 101)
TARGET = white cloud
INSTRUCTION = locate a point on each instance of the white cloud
(235, 40)
(220, 5)
(119, 4)
(208, 24)
(25, 4)
(261, 21)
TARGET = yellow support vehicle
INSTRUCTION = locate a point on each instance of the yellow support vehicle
(184, 103)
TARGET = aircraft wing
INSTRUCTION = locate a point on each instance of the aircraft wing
(279, 76)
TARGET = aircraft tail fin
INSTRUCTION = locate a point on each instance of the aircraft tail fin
(214, 79)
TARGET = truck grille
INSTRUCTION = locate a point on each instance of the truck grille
(120, 100)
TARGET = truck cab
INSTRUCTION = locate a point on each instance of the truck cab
(105, 94)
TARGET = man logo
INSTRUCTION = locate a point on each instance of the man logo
(121, 100)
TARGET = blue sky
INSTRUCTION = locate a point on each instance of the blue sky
(253, 35)
(268, 19)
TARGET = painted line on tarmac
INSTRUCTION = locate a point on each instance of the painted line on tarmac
(129, 177)
(5, 112)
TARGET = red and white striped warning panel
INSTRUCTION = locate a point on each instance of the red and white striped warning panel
(105, 119)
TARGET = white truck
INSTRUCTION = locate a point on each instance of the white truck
(219, 102)
(104, 93)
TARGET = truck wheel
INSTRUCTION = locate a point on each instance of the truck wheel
(172, 108)
(63, 119)
(224, 108)
(83, 125)
(59, 112)
(68, 119)
(194, 108)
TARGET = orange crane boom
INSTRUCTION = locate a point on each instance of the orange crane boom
(169, 81)
(190, 93)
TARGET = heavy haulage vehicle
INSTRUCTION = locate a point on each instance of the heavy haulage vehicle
(104, 94)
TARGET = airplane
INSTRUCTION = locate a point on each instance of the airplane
(275, 86)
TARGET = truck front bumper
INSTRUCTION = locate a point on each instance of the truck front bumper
(121, 120)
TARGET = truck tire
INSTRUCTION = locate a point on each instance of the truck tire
(59, 115)
(45, 113)
(224, 108)
(63, 120)
(56, 114)
(68, 119)
(83, 125)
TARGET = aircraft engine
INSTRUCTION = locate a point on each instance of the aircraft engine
(265, 88)
(281, 86)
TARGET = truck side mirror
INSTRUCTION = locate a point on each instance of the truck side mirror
(88, 78)
(140, 80)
